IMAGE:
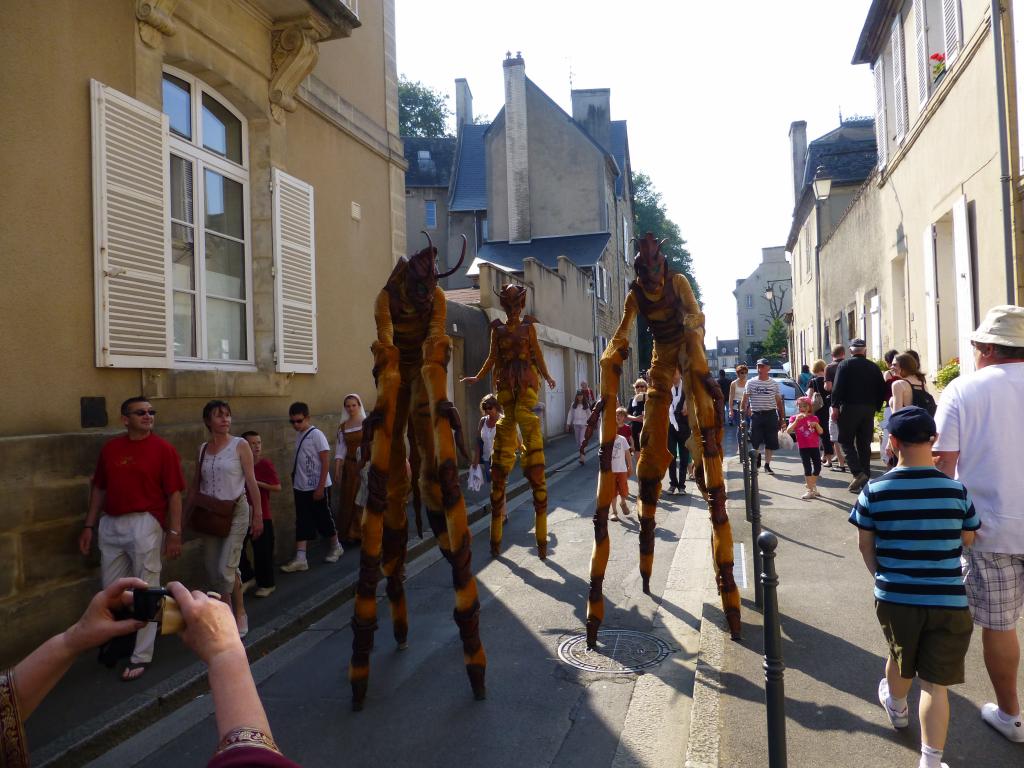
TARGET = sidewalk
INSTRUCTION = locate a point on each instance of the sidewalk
(90, 710)
(833, 648)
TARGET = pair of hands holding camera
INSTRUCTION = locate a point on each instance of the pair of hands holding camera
(210, 632)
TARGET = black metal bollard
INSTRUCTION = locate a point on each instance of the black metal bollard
(774, 667)
(755, 527)
(744, 446)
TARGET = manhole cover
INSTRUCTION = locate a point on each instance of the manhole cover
(619, 651)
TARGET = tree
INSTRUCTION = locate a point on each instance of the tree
(755, 351)
(422, 111)
(777, 340)
(650, 215)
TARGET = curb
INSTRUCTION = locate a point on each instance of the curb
(101, 733)
(702, 747)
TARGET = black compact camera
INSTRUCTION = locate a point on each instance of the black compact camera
(156, 604)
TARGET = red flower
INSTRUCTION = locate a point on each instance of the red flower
(940, 57)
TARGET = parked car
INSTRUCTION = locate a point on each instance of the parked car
(790, 392)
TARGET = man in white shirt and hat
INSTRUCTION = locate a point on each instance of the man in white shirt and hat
(979, 444)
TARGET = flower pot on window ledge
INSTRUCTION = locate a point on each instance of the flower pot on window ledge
(938, 78)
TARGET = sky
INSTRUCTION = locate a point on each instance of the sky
(709, 90)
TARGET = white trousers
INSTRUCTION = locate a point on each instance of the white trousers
(221, 555)
(130, 546)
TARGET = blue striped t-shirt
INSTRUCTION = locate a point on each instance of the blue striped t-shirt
(917, 515)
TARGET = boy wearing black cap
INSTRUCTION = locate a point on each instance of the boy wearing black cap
(913, 522)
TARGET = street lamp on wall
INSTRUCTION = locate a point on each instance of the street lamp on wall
(775, 297)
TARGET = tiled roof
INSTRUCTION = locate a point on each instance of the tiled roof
(470, 191)
(582, 250)
(435, 168)
(463, 295)
(848, 153)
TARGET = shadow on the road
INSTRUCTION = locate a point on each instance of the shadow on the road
(804, 544)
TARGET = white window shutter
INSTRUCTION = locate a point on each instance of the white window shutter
(131, 232)
(964, 285)
(881, 134)
(931, 304)
(294, 275)
(899, 80)
(951, 28)
(924, 75)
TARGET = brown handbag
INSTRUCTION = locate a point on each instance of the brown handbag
(209, 515)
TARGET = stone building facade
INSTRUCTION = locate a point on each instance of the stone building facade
(754, 312)
(223, 234)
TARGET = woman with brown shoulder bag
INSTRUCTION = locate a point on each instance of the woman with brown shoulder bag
(217, 507)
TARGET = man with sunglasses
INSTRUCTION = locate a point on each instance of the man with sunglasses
(137, 486)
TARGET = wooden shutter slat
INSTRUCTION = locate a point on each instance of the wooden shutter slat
(899, 82)
(295, 274)
(924, 75)
(951, 28)
(881, 135)
(131, 232)
(931, 307)
(964, 282)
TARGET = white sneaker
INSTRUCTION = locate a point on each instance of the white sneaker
(334, 555)
(295, 565)
(898, 718)
(1012, 730)
(808, 495)
(263, 592)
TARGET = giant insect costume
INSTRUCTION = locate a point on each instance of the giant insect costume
(410, 357)
(666, 301)
(518, 363)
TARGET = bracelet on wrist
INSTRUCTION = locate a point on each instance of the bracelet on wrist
(174, 533)
(247, 737)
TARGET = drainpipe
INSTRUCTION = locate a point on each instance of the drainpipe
(597, 350)
(1005, 177)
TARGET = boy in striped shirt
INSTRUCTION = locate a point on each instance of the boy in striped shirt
(913, 524)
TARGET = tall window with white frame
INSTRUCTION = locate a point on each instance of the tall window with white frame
(210, 242)
(430, 214)
(750, 328)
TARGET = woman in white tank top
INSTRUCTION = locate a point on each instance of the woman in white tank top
(224, 470)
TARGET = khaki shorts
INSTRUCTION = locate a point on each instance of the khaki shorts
(928, 642)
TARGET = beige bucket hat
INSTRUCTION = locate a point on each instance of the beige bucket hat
(1003, 325)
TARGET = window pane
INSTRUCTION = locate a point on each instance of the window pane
(183, 261)
(184, 325)
(178, 105)
(182, 190)
(223, 205)
(225, 330)
(222, 131)
(225, 267)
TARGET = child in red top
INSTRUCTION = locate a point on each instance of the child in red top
(622, 427)
(261, 572)
(806, 427)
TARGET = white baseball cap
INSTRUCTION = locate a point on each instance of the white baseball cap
(1003, 325)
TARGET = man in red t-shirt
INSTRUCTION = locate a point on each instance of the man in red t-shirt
(137, 486)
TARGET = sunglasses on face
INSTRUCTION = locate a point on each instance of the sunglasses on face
(142, 412)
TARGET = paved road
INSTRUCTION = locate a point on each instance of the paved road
(539, 710)
(834, 650)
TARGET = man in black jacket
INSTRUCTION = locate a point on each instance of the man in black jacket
(857, 393)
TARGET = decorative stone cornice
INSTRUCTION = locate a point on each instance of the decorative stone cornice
(295, 53)
(155, 20)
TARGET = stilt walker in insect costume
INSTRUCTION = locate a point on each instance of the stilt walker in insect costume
(410, 357)
(518, 364)
(666, 301)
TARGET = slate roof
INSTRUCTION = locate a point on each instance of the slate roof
(618, 151)
(582, 250)
(470, 190)
(848, 153)
(433, 172)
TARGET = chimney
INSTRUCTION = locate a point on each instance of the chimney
(591, 108)
(517, 166)
(798, 155)
(463, 104)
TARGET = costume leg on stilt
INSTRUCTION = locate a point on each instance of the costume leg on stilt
(414, 466)
(382, 419)
(396, 525)
(436, 354)
(708, 430)
(503, 458)
(611, 371)
(533, 464)
(654, 453)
